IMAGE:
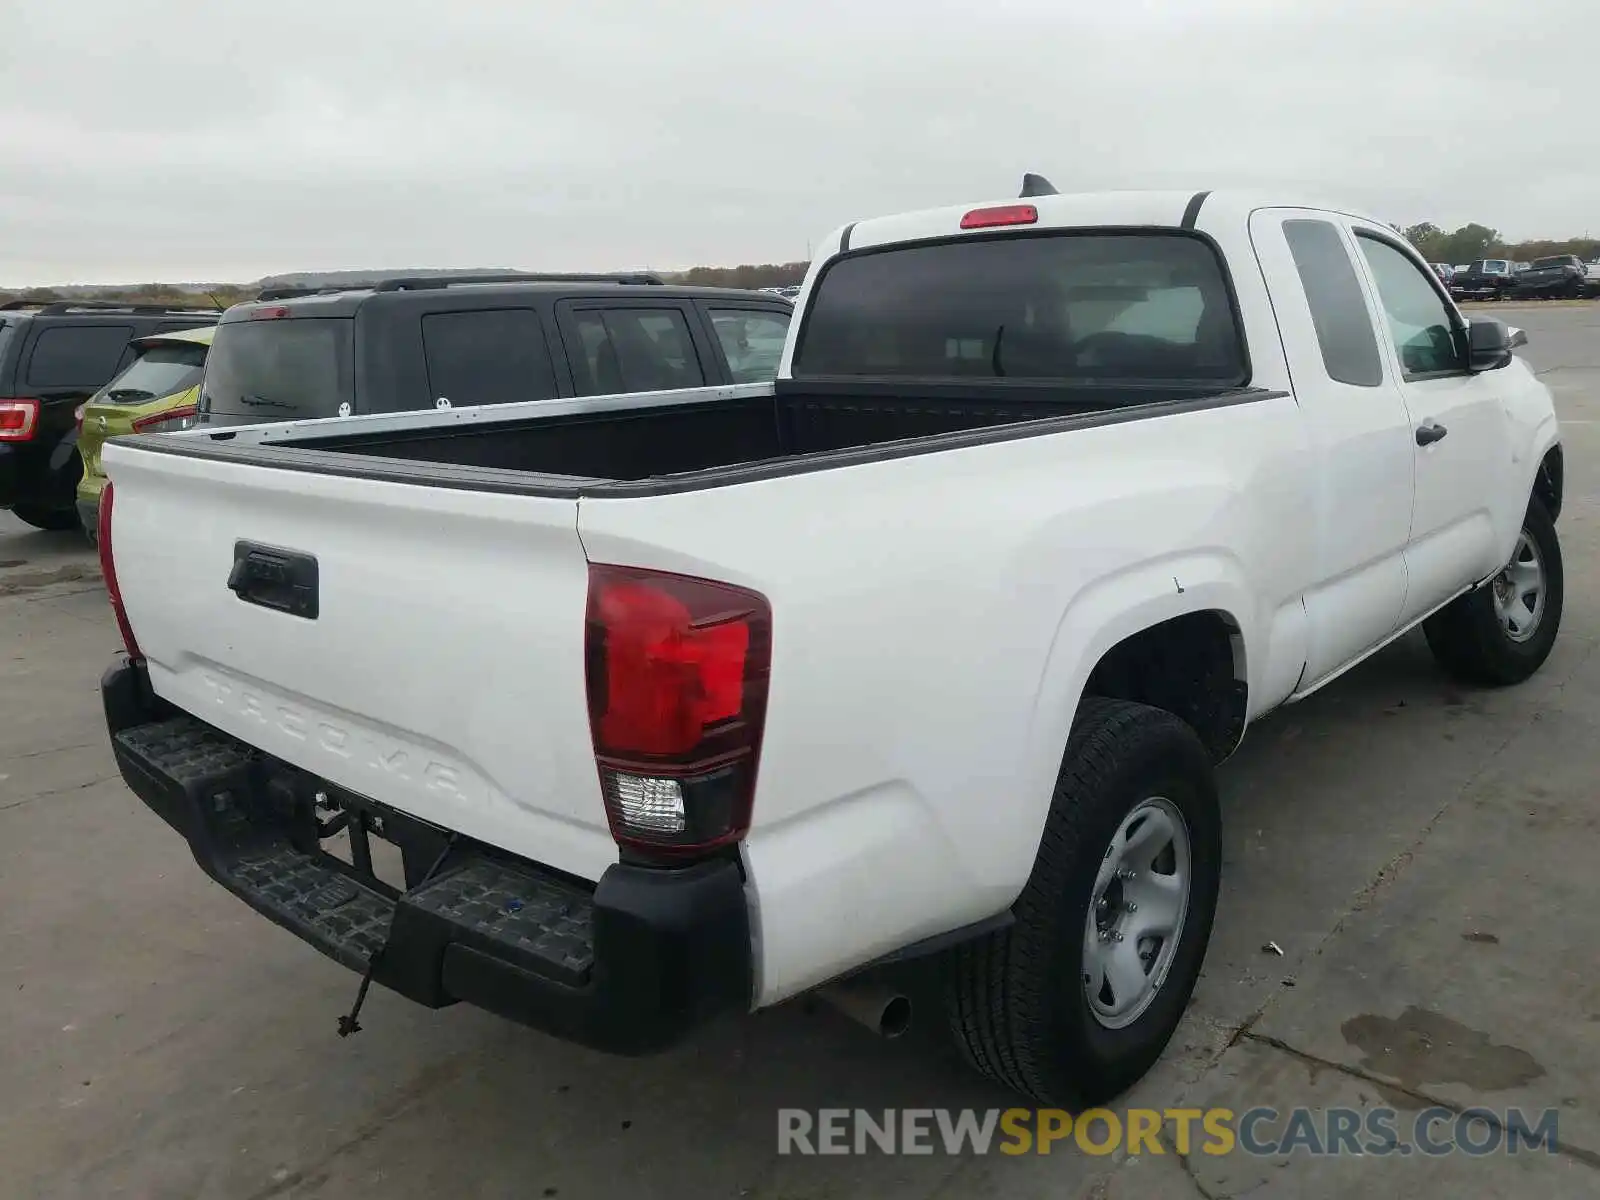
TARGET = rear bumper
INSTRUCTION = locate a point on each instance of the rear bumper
(630, 965)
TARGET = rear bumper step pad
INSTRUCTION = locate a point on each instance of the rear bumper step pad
(629, 966)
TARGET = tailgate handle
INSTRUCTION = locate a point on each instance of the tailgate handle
(282, 580)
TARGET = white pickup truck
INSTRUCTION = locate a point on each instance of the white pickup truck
(685, 703)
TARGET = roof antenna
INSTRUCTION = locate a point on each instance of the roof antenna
(1037, 185)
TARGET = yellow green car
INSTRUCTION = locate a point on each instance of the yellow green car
(156, 393)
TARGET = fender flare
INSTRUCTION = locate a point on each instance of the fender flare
(1106, 614)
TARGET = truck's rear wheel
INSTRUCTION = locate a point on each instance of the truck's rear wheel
(1503, 632)
(1078, 998)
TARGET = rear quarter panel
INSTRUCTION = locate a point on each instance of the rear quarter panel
(935, 620)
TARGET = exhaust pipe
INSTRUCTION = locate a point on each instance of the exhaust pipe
(881, 1009)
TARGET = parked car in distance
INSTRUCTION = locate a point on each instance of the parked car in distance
(688, 703)
(1591, 279)
(1443, 270)
(1557, 277)
(1486, 279)
(458, 341)
(53, 356)
(156, 393)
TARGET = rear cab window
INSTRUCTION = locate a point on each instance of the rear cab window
(279, 370)
(487, 356)
(631, 350)
(1137, 308)
(751, 340)
(79, 357)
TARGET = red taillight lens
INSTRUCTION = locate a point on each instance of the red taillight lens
(77, 415)
(1003, 214)
(18, 419)
(166, 422)
(108, 568)
(677, 672)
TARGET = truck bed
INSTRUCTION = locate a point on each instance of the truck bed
(674, 441)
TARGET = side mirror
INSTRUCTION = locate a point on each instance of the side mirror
(1489, 344)
(1519, 337)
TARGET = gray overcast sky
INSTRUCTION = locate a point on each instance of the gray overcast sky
(190, 140)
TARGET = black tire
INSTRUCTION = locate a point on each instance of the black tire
(1016, 1000)
(1469, 641)
(56, 519)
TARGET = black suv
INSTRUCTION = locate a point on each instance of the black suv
(53, 357)
(446, 342)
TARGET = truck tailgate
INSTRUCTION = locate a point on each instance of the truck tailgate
(442, 670)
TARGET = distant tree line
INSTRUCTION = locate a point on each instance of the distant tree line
(1462, 245)
(1472, 242)
(141, 293)
(747, 276)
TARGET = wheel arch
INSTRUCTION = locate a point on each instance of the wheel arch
(1120, 635)
(1549, 481)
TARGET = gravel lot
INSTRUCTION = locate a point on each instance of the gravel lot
(1422, 853)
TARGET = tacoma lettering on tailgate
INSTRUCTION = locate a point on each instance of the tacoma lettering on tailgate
(374, 753)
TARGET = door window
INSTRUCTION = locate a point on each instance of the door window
(634, 350)
(487, 356)
(752, 340)
(1420, 319)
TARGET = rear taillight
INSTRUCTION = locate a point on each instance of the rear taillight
(77, 415)
(108, 568)
(167, 422)
(18, 419)
(676, 669)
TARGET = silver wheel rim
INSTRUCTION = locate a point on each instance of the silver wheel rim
(1136, 912)
(1519, 591)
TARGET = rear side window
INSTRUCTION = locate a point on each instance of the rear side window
(1141, 308)
(279, 370)
(76, 356)
(1338, 309)
(633, 350)
(752, 341)
(488, 356)
(160, 370)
